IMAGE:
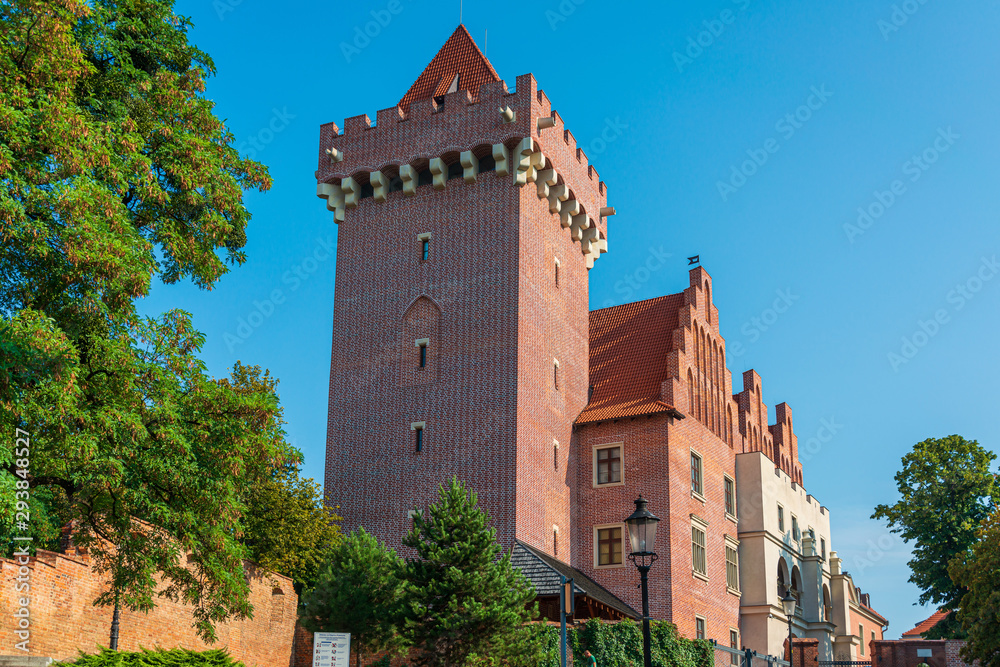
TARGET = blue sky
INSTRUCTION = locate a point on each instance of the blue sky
(748, 132)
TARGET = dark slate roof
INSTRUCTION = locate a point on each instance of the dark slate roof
(543, 572)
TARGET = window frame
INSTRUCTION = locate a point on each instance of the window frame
(555, 374)
(781, 519)
(597, 545)
(734, 546)
(734, 643)
(729, 491)
(595, 464)
(698, 493)
(700, 627)
(557, 265)
(424, 246)
(701, 527)
(418, 436)
(796, 531)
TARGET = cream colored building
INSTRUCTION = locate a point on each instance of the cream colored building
(785, 544)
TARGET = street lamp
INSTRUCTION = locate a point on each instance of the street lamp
(788, 604)
(642, 536)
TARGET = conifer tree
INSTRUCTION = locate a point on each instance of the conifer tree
(358, 592)
(464, 603)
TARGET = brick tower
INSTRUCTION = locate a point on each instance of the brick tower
(467, 222)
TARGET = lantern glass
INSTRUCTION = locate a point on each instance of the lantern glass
(642, 528)
(788, 604)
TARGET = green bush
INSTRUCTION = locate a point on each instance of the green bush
(620, 645)
(177, 657)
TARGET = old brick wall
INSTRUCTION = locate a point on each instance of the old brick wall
(64, 620)
(905, 653)
(805, 652)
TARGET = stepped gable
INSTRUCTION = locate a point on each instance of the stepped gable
(629, 345)
(459, 57)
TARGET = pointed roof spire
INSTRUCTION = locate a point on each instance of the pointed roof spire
(459, 65)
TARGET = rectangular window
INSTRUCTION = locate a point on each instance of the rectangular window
(822, 549)
(423, 355)
(861, 636)
(609, 465)
(557, 273)
(555, 455)
(698, 560)
(781, 519)
(425, 249)
(555, 373)
(555, 540)
(696, 474)
(734, 643)
(732, 568)
(730, 497)
(699, 627)
(609, 546)
(418, 435)
(795, 528)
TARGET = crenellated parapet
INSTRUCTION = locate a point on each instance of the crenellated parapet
(457, 139)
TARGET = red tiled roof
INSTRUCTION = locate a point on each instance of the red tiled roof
(459, 55)
(629, 345)
(926, 624)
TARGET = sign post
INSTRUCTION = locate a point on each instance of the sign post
(332, 649)
(566, 608)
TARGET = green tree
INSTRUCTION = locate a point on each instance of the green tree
(288, 529)
(979, 611)
(946, 490)
(463, 601)
(115, 170)
(358, 592)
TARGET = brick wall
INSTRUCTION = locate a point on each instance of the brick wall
(905, 653)
(64, 620)
(805, 652)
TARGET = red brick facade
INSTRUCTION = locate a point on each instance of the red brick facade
(63, 619)
(913, 652)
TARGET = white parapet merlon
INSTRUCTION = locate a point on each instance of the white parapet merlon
(380, 185)
(470, 166)
(409, 176)
(439, 170)
(502, 156)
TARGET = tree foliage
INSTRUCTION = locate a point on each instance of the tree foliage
(177, 657)
(115, 170)
(621, 644)
(358, 592)
(979, 615)
(288, 529)
(946, 490)
(463, 601)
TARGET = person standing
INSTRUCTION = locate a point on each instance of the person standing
(589, 660)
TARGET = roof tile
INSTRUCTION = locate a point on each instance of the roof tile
(459, 55)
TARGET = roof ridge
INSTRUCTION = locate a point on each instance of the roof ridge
(459, 55)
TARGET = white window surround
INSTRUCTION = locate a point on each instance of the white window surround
(415, 425)
(621, 464)
(425, 236)
(421, 342)
(597, 546)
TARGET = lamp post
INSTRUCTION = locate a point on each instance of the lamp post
(788, 604)
(642, 536)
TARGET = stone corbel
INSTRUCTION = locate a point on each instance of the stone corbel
(588, 240)
(502, 157)
(545, 179)
(470, 166)
(439, 170)
(522, 156)
(570, 208)
(409, 177)
(536, 163)
(335, 155)
(334, 196)
(607, 211)
(580, 224)
(380, 185)
(557, 195)
(352, 192)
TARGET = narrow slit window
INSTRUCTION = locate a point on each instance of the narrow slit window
(557, 273)
(418, 437)
(555, 373)
(425, 249)
(423, 355)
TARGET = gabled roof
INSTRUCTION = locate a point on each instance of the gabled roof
(925, 625)
(629, 345)
(543, 571)
(458, 57)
